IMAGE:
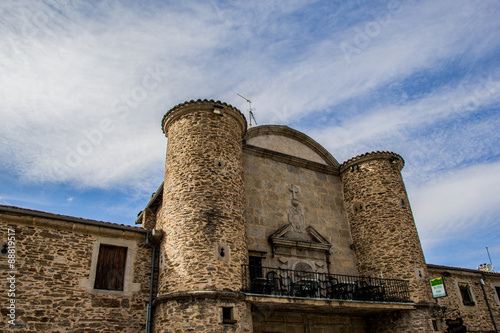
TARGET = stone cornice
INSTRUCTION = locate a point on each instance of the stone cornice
(198, 105)
(300, 244)
(288, 132)
(210, 294)
(289, 159)
(279, 239)
(374, 155)
(62, 222)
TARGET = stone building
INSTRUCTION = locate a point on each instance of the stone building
(253, 230)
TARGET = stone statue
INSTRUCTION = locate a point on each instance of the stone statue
(295, 213)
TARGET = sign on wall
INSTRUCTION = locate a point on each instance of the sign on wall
(437, 287)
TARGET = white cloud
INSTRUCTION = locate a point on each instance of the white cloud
(63, 78)
(387, 126)
(459, 203)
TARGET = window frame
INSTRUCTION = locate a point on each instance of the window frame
(468, 290)
(129, 287)
(110, 270)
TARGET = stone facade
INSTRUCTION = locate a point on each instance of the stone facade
(270, 196)
(52, 267)
(476, 316)
(268, 204)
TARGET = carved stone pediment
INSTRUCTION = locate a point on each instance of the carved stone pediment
(307, 244)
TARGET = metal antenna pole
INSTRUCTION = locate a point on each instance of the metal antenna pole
(489, 256)
(250, 113)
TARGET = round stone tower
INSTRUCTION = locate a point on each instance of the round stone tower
(204, 242)
(384, 234)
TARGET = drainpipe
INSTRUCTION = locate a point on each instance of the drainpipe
(488, 304)
(149, 308)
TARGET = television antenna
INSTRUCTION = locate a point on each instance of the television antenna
(250, 113)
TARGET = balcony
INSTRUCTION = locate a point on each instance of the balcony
(311, 285)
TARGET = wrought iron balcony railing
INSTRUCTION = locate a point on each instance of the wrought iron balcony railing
(291, 283)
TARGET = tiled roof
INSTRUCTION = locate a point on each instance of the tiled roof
(469, 270)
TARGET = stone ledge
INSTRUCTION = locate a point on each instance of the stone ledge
(326, 305)
(213, 294)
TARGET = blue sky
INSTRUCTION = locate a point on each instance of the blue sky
(84, 86)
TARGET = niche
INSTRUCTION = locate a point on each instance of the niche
(222, 252)
(3, 249)
(358, 206)
(220, 164)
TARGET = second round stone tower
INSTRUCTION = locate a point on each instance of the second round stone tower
(384, 235)
(204, 242)
(383, 230)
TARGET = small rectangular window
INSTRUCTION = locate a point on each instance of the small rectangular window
(227, 315)
(466, 293)
(110, 270)
(497, 289)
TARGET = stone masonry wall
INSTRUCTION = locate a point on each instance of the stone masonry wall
(382, 226)
(203, 202)
(51, 263)
(204, 245)
(402, 322)
(198, 314)
(268, 199)
(476, 317)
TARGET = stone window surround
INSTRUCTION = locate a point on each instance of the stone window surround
(129, 287)
(470, 292)
(234, 312)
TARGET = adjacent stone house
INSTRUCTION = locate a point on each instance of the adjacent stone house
(253, 230)
(60, 285)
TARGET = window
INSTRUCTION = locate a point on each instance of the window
(110, 270)
(466, 293)
(255, 264)
(227, 315)
(497, 289)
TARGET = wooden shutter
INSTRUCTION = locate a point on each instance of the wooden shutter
(110, 272)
